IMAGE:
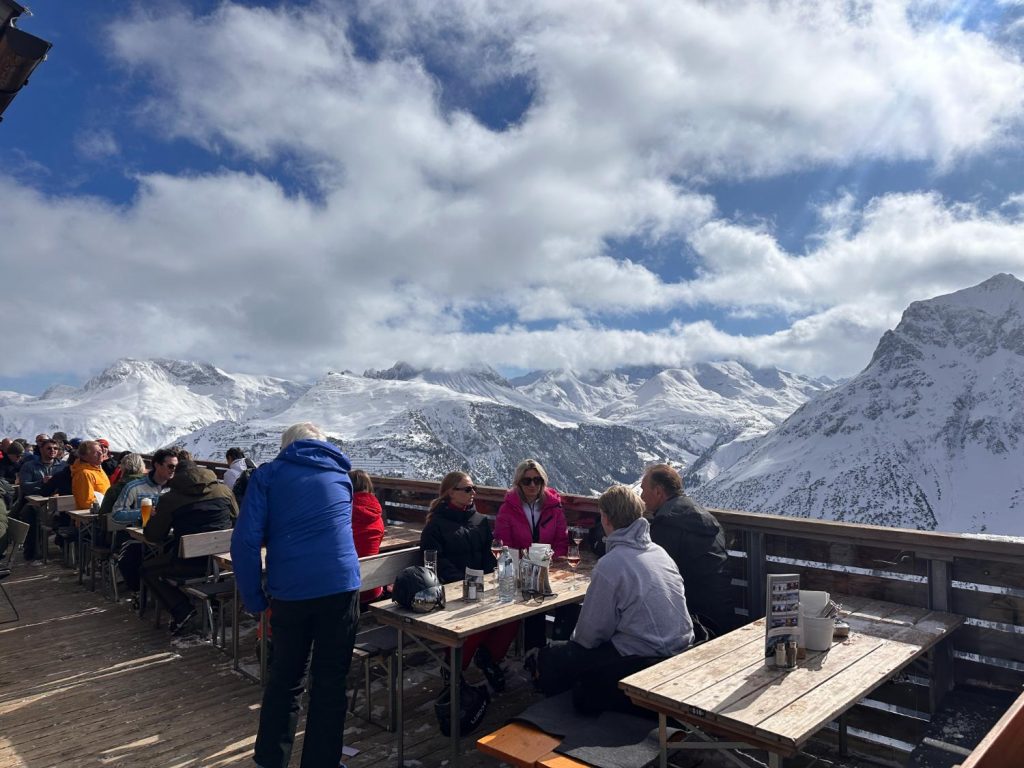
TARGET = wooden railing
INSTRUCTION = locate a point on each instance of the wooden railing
(979, 577)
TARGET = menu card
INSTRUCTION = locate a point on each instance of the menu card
(782, 612)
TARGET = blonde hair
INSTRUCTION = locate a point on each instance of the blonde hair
(621, 506)
(525, 466)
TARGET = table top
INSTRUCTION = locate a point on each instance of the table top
(82, 516)
(460, 619)
(400, 537)
(726, 685)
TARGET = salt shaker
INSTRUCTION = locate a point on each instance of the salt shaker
(791, 654)
(780, 654)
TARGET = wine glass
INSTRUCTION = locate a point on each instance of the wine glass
(573, 559)
(496, 545)
(576, 533)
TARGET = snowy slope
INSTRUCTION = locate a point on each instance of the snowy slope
(928, 436)
(591, 429)
(144, 404)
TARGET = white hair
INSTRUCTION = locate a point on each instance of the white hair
(303, 431)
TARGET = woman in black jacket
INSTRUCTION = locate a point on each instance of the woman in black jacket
(461, 536)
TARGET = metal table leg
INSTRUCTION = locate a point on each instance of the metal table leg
(399, 708)
(456, 678)
(662, 740)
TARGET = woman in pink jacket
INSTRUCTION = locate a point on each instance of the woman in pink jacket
(532, 513)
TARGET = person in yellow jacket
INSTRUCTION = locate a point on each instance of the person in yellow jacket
(88, 480)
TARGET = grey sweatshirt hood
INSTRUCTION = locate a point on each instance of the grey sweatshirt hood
(636, 535)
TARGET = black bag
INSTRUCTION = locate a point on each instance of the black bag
(418, 589)
(473, 701)
(242, 482)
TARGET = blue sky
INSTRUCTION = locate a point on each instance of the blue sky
(289, 188)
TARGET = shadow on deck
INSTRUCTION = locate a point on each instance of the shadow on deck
(86, 682)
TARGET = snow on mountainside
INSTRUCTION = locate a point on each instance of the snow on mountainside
(590, 429)
(145, 404)
(419, 429)
(930, 435)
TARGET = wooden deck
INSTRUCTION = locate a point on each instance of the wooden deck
(86, 682)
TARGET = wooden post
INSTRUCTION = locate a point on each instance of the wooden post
(757, 575)
(940, 591)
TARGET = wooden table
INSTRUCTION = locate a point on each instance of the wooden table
(83, 518)
(724, 687)
(400, 537)
(450, 627)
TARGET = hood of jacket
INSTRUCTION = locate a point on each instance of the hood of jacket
(316, 453)
(193, 480)
(636, 535)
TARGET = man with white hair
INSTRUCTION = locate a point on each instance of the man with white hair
(300, 507)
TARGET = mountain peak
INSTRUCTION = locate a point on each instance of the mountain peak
(979, 320)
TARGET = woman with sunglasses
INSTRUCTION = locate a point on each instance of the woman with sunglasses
(461, 536)
(532, 514)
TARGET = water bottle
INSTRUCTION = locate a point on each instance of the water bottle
(506, 577)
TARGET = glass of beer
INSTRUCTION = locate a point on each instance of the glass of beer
(146, 507)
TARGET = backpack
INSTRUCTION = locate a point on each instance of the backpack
(473, 701)
(243, 481)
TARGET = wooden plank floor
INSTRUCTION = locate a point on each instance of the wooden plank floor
(86, 682)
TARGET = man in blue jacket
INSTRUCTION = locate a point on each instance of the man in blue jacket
(299, 507)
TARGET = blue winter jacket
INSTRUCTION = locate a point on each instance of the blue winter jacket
(299, 506)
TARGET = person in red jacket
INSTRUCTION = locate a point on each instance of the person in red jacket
(367, 524)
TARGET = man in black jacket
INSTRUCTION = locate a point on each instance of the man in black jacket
(197, 502)
(695, 541)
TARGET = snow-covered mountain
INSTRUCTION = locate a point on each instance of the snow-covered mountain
(929, 435)
(590, 429)
(144, 404)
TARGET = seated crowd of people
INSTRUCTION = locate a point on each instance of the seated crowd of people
(659, 583)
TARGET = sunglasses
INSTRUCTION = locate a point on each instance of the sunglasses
(532, 481)
(466, 489)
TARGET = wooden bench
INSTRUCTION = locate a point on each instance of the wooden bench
(205, 589)
(380, 643)
(519, 744)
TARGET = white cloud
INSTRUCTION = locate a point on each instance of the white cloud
(96, 144)
(417, 218)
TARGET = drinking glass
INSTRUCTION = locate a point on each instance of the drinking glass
(496, 545)
(430, 560)
(573, 559)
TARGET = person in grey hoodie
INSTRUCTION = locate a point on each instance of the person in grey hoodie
(634, 614)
